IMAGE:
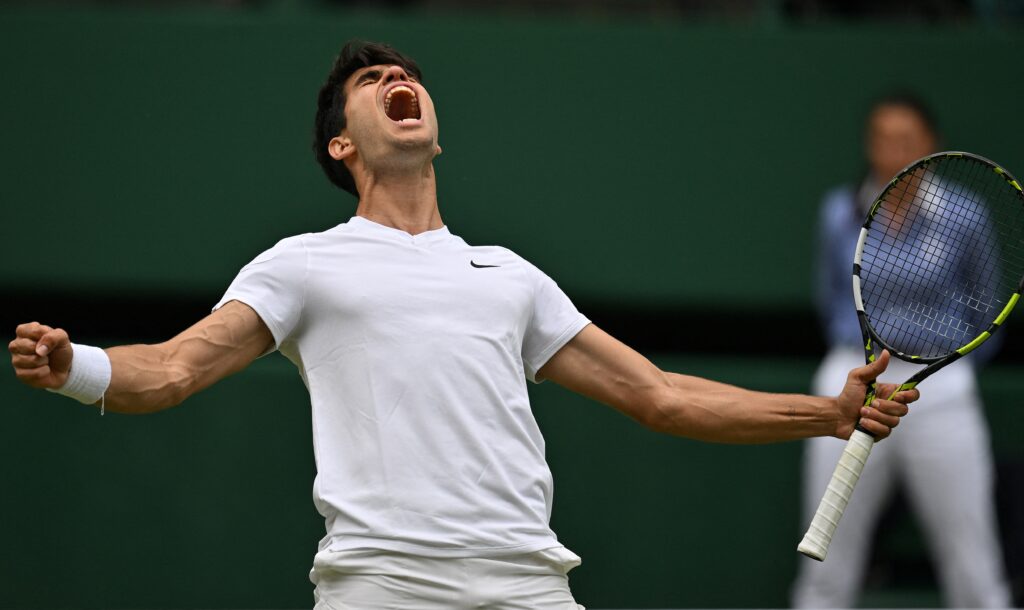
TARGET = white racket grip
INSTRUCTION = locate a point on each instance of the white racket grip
(837, 495)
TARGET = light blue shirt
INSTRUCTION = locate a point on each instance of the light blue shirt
(839, 222)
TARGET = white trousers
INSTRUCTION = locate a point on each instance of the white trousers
(940, 453)
(392, 581)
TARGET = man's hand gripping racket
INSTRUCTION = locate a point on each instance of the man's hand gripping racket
(939, 266)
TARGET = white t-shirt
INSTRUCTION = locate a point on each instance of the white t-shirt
(415, 351)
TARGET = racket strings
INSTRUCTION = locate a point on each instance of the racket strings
(944, 253)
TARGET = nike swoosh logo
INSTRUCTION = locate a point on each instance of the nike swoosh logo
(481, 266)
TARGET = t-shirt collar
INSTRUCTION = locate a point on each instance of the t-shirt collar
(432, 236)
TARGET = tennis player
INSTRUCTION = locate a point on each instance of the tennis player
(416, 348)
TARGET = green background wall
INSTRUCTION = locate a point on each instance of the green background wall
(148, 152)
(628, 160)
(208, 505)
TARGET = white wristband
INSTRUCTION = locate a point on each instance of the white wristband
(89, 376)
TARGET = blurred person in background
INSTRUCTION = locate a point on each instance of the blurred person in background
(949, 478)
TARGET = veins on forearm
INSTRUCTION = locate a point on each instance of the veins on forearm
(143, 379)
(718, 412)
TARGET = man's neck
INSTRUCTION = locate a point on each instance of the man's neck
(407, 203)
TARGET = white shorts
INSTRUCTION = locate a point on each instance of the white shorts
(377, 580)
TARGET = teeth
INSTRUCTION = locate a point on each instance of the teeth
(387, 98)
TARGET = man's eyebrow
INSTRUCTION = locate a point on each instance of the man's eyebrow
(370, 75)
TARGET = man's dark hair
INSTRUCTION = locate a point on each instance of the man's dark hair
(330, 107)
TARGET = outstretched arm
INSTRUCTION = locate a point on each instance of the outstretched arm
(597, 365)
(147, 378)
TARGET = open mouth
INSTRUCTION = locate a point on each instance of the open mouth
(400, 104)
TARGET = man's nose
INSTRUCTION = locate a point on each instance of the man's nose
(395, 73)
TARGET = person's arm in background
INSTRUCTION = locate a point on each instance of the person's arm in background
(987, 275)
(836, 241)
(148, 378)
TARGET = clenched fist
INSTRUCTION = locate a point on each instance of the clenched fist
(41, 355)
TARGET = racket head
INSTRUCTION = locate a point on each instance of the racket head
(940, 259)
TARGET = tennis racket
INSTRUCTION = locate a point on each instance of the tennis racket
(939, 266)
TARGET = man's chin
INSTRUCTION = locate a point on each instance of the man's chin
(407, 154)
(420, 142)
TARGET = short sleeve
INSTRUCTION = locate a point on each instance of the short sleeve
(273, 284)
(555, 320)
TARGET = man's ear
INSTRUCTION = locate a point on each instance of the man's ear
(340, 147)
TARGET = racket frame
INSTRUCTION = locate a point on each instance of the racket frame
(833, 503)
(868, 333)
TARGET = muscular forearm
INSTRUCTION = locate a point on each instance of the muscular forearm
(142, 378)
(711, 411)
(595, 364)
(146, 378)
